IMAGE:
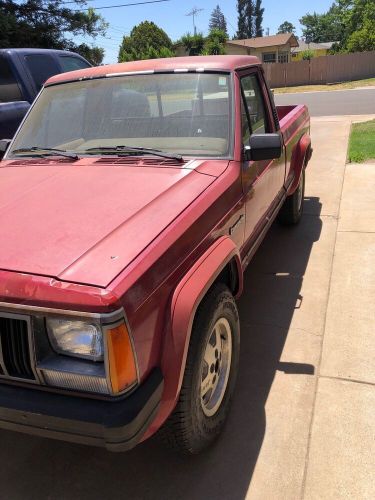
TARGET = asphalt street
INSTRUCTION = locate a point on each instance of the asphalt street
(333, 102)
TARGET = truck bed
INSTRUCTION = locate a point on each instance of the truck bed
(291, 118)
(289, 113)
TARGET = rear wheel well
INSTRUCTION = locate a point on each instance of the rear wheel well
(229, 277)
(308, 155)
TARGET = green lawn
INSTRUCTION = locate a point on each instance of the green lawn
(362, 142)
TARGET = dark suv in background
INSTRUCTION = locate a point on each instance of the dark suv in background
(22, 74)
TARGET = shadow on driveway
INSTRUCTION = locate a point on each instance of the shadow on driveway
(40, 468)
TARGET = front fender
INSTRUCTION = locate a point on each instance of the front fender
(189, 293)
(185, 301)
(300, 156)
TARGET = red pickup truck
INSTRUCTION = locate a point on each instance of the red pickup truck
(132, 199)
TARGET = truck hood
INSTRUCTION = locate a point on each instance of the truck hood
(85, 222)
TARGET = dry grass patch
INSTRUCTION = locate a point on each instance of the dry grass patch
(318, 88)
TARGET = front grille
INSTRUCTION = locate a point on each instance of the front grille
(15, 348)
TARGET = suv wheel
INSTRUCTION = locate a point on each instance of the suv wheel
(210, 375)
(292, 210)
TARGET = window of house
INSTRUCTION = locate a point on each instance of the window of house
(269, 57)
(255, 105)
(283, 57)
(9, 90)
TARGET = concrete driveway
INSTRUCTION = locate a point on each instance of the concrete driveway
(302, 420)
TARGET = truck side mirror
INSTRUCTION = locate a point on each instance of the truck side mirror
(263, 147)
(4, 144)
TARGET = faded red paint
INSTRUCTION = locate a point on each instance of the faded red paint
(185, 300)
(89, 242)
(220, 63)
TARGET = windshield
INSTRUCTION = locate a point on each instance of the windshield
(186, 113)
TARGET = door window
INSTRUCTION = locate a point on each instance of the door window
(245, 124)
(9, 90)
(71, 63)
(41, 68)
(254, 101)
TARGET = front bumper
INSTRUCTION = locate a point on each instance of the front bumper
(117, 425)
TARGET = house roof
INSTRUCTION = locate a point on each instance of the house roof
(313, 46)
(267, 41)
(197, 63)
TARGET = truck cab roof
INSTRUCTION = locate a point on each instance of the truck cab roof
(178, 64)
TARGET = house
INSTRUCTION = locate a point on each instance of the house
(269, 49)
(318, 49)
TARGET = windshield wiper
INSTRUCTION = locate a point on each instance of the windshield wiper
(38, 151)
(133, 150)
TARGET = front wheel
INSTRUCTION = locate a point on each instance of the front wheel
(210, 375)
(292, 209)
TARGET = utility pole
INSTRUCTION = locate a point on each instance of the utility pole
(194, 11)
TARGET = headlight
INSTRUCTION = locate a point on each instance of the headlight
(82, 339)
(99, 356)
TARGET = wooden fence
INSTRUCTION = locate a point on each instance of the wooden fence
(322, 70)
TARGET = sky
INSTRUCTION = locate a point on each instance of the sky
(171, 16)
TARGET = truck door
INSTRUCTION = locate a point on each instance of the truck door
(262, 180)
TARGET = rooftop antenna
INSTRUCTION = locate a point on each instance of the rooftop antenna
(194, 11)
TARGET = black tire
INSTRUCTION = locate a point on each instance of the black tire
(292, 209)
(189, 430)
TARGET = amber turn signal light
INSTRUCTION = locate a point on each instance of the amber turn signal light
(122, 366)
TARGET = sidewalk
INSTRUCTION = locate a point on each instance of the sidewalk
(319, 440)
(341, 460)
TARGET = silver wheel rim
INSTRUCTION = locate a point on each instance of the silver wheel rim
(216, 367)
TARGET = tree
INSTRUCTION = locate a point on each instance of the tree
(358, 20)
(361, 40)
(246, 19)
(250, 18)
(320, 28)
(351, 23)
(242, 23)
(47, 24)
(194, 44)
(307, 55)
(94, 55)
(215, 43)
(146, 41)
(325, 27)
(218, 21)
(259, 10)
(286, 27)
